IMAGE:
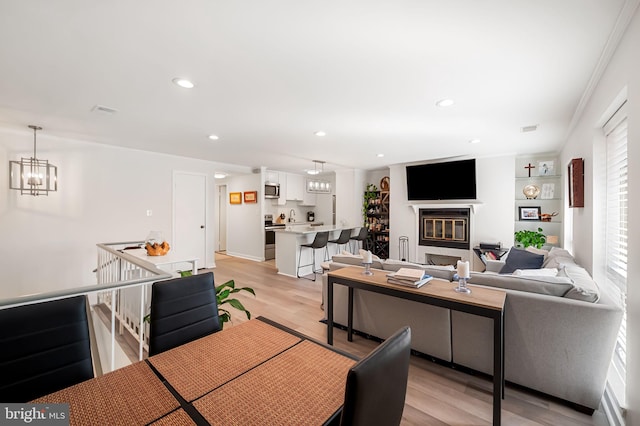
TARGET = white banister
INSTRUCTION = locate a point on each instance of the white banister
(118, 274)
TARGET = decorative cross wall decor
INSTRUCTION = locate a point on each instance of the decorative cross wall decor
(530, 166)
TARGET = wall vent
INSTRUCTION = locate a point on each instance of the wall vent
(103, 109)
(530, 128)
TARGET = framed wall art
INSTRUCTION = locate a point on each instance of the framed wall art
(529, 213)
(235, 198)
(251, 196)
(545, 168)
(548, 190)
(576, 182)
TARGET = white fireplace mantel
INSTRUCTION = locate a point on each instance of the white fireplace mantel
(463, 254)
(472, 205)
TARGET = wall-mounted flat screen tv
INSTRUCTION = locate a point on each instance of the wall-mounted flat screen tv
(452, 180)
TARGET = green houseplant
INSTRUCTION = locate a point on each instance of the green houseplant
(526, 238)
(371, 193)
(223, 292)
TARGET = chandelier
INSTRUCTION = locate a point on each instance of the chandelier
(32, 176)
(315, 169)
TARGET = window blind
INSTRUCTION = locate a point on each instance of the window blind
(617, 236)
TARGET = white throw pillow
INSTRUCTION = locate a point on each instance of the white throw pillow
(544, 272)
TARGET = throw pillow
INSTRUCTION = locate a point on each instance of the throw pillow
(552, 286)
(556, 257)
(584, 287)
(521, 259)
(545, 272)
(532, 249)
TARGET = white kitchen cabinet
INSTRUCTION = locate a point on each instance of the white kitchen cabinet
(272, 176)
(282, 200)
(295, 187)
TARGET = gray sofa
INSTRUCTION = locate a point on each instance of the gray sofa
(559, 331)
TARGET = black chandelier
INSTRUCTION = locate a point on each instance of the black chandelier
(32, 176)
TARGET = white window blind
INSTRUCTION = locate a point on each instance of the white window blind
(616, 236)
(617, 189)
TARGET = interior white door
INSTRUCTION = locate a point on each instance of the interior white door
(189, 215)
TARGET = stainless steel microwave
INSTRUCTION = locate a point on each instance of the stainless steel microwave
(271, 190)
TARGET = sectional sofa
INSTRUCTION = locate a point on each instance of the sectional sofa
(560, 329)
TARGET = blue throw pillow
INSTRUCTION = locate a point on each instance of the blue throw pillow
(521, 259)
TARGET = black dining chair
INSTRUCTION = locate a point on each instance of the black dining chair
(319, 242)
(344, 238)
(360, 238)
(182, 309)
(45, 347)
(377, 384)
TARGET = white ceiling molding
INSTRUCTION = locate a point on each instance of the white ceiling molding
(623, 21)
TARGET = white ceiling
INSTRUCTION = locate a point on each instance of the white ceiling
(269, 74)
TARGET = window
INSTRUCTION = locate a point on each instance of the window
(616, 236)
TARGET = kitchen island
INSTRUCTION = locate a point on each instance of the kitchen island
(288, 241)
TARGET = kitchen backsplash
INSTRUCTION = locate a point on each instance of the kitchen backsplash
(300, 213)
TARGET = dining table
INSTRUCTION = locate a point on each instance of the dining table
(254, 373)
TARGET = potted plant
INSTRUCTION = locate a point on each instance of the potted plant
(371, 193)
(222, 296)
(223, 292)
(525, 238)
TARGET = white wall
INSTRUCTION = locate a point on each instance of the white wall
(622, 74)
(375, 176)
(49, 242)
(245, 222)
(493, 219)
(350, 186)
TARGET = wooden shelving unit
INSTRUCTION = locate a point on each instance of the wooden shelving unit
(378, 224)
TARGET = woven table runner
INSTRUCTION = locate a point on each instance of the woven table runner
(128, 396)
(177, 418)
(198, 367)
(302, 386)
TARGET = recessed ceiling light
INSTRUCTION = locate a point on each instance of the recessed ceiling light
(380, 155)
(214, 137)
(183, 82)
(474, 141)
(320, 133)
(313, 172)
(443, 103)
(219, 175)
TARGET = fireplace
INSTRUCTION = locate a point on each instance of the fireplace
(446, 227)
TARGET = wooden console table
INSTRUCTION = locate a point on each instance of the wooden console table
(484, 302)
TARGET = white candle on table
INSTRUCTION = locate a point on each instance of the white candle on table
(463, 269)
(367, 257)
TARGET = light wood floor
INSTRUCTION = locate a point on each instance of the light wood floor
(436, 394)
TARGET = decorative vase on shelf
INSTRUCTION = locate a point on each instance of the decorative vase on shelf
(531, 191)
